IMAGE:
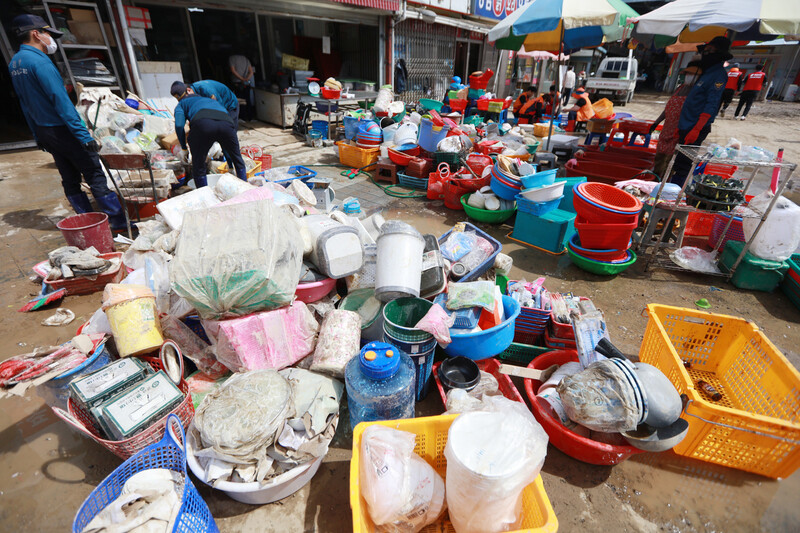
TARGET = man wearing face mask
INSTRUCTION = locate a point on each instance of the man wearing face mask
(702, 103)
(54, 122)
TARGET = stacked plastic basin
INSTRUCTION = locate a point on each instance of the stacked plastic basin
(606, 219)
(791, 281)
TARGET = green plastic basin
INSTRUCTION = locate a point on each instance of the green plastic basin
(485, 215)
(597, 267)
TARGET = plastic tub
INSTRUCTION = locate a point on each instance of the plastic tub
(753, 273)
(609, 197)
(86, 230)
(314, 291)
(544, 194)
(430, 135)
(598, 255)
(401, 315)
(604, 236)
(399, 266)
(490, 342)
(503, 190)
(399, 158)
(578, 447)
(135, 326)
(256, 493)
(454, 190)
(485, 215)
(355, 157)
(56, 392)
(321, 126)
(540, 179)
(599, 267)
(429, 103)
(596, 214)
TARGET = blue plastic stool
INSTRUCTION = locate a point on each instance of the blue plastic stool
(601, 137)
(646, 137)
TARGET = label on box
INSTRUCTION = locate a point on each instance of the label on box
(104, 383)
(432, 259)
(138, 407)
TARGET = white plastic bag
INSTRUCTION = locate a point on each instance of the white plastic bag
(779, 237)
(402, 491)
(491, 457)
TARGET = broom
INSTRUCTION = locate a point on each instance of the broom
(44, 299)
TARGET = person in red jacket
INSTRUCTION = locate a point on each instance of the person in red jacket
(753, 83)
(735, 78)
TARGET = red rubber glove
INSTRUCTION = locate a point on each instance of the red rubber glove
(691, 137)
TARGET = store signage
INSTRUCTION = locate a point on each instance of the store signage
(496, 9)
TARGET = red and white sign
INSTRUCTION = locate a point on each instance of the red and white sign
(138, 17)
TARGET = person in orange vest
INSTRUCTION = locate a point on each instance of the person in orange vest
(523, 98)
(753, 83)
(533, 109)
(555, 99)
(734, 83)
(582, 111)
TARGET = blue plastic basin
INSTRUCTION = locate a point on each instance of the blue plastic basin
(490, 342)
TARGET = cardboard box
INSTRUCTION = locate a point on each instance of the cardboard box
(82, 15)
(168, 142)
(89, 32)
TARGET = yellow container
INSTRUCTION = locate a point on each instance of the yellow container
(355, 157)
(135, 326)
(431, 435)
(541, 130)
(754, 427)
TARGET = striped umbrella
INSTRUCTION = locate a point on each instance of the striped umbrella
(746, 17)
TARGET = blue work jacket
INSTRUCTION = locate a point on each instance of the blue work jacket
(704, 97)
(193, 107)
(219, 91)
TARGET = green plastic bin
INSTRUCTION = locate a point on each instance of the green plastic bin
(522, 354)
(753, 273)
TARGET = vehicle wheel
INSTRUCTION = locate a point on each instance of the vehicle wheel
(623, 103)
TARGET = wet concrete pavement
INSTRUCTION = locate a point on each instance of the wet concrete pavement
(47, 469)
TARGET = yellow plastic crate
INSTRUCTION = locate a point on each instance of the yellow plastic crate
(355, 157)
(431, 435)
(756, 425)
(223, 168)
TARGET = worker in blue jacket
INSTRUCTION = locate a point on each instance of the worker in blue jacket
(54, 122)
(209, 122)
(702, 104)
(219, 92)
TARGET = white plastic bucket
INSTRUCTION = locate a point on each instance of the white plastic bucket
(399, 265)
(337, 250)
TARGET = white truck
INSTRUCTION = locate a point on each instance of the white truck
(613, 80)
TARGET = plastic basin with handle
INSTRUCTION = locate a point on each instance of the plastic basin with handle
(489, 342)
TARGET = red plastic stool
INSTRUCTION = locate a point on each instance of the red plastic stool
(387, 171)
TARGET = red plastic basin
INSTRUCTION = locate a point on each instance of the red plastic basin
(604, 236)
(578, 447)
(608, 173)
(597, 215)
(610, 197)
(314, 291)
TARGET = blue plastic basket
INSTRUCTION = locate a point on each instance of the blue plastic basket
(537, 208)
(326, 107)
(465, 318)
(414, 183)
(350, 127)
(193, 516)
(487, 264)
(56, 391)
(502, 190)
(540, 179)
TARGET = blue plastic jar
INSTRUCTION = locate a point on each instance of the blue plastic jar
(380, 384)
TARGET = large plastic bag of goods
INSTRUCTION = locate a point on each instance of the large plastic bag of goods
(175, 208)
(779, 237)
(236, 260)
(403, 492)
(272, 339)
(492, 455)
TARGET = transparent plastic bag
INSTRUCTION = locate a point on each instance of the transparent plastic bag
(695, 259)
(229, 186)
(438, 323)
(458, 244)
(238, 259)
(492, 455)
(779, 237)
(403, 492)
(479, 253)
(470, 294)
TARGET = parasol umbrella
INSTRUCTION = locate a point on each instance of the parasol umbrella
(748, 18)
(559, 25)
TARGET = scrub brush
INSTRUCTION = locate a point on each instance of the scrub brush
(44, 299)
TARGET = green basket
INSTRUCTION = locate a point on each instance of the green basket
(485, 215)
(473, 120)
(453, 159)
(597, 267)
(429, 103)
(397, 314)
(533, 147)
(522, 354)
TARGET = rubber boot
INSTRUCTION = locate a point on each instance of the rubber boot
(109, 204)
(80, 203)
(200, 181)
(570, 125)
(241, 174)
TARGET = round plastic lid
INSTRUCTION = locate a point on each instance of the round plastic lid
(379, 360)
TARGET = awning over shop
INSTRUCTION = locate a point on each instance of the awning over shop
(386, 5)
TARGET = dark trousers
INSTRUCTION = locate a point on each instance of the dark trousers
(73, 161)
(567, 94)
(205, 132)
(727, 98)
(245, 92)
(746, 100)
(682, 165)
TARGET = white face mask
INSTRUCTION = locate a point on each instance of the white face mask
(689, 80)
(50, 45)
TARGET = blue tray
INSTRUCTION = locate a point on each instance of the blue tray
(486, 265)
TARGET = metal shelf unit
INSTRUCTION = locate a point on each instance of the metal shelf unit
(697, 155)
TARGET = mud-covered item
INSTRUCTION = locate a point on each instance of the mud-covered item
(403, 492)
(235, 260)
(338, 342)
(470, 294)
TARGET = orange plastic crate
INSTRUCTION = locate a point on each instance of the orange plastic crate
(431, 439)
(756, 425)
(355, 157)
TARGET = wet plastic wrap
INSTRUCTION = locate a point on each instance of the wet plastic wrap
(338, 342)
(402, 491)
(273, 339)
(236, 260)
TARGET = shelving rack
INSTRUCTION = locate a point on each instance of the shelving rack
(650, 252)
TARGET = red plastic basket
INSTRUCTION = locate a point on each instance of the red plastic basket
(597, 215)
(604, 236)
(86, 285)
(453, 191)
(603, 172)
(735, 231)
(615, 159)
(577, 247)
(610, 197)
(490, 366)
(81, 421)
(558, 343)
(635, 126)
(699, 224)
(720, 169)
(581, 448)
(458, 105)
(478, 162)
(483, 104)
(490, 147)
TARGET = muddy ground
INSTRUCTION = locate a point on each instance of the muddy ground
(47, 469)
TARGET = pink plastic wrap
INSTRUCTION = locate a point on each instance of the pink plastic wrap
(272, 339)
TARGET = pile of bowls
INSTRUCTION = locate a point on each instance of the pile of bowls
(606, 219)
(369, 134)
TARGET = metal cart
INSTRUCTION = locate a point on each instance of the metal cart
(650, 250)
(132, 176)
